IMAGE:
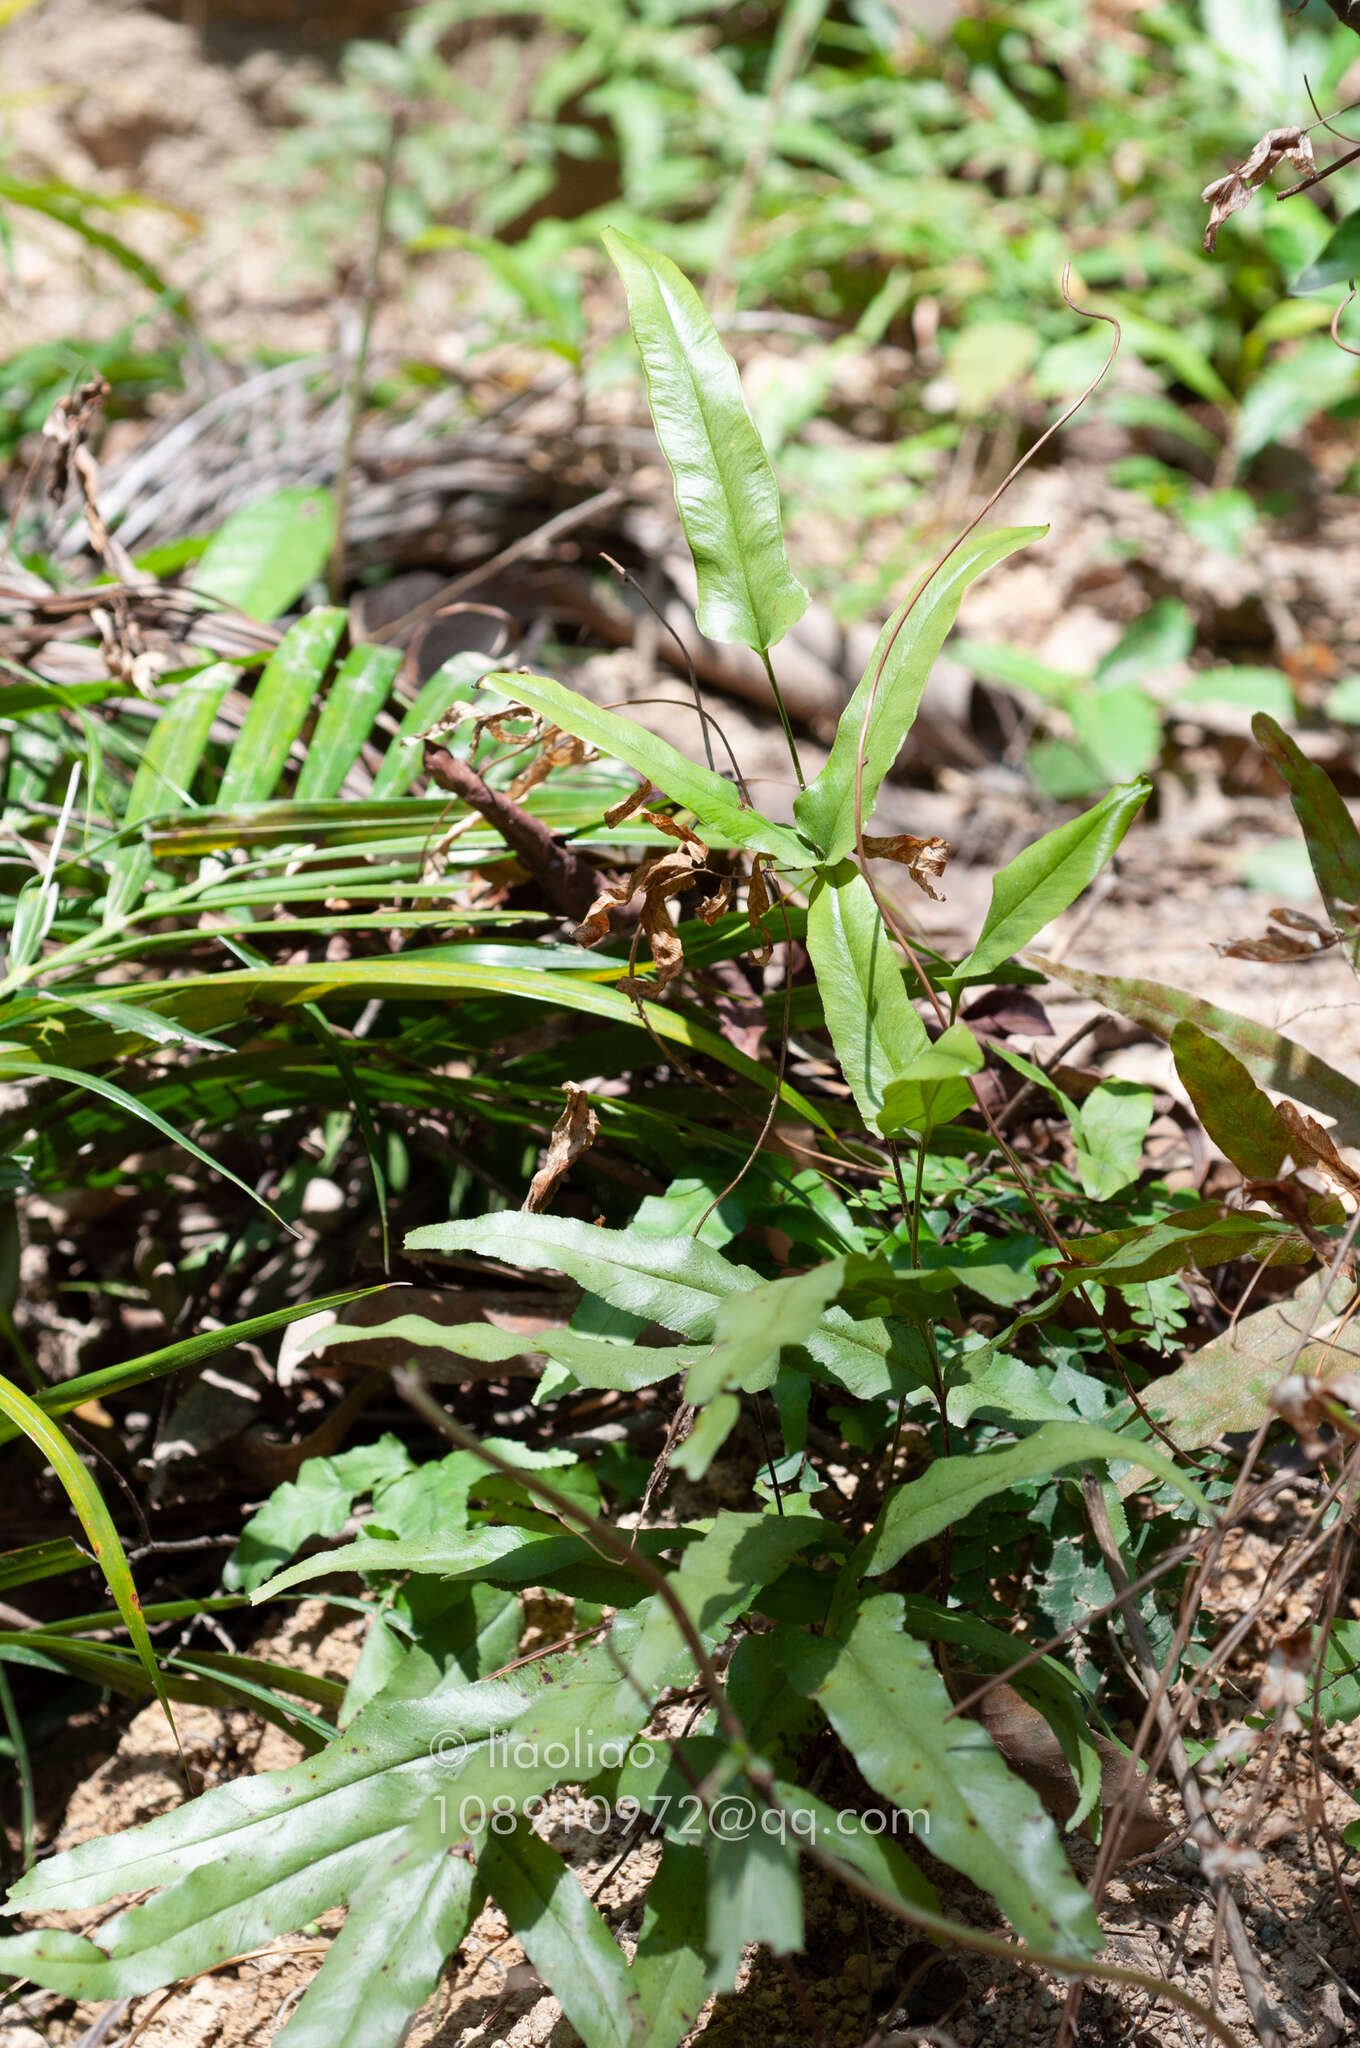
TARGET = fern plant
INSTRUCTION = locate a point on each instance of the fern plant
(836, 1597)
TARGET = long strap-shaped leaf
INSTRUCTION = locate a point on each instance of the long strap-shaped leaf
(898, 671)
(713, 800)
(724, 487)
(868, 1012)
(1268, 1056)
(887, 1702)
(167, 767)
(1328, 829)
(95, 1519)
(283, 696)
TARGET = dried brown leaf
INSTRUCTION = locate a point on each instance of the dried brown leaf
(1228, 195)
(557, 750)
(1312, 1146)
(1289, 935)
(923, 859)
(574, 1133)
(595, 925)
(626, 806)
(711, 908)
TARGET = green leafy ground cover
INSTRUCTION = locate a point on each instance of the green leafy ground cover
(810, 1246)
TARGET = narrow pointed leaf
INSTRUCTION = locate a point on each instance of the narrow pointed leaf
(1271, 1059)
(25, 1416)
(1040, 883)
(563, 1936)
(713, 800)
(679, 1282)
(283, 697)
(354, 700)
(668, 1977)
(262, 557)
(1240, 1117)
(953, 1487)
(169, 762)
(724, 487)
(895, 678)
(1328, 829)
(868, 1012)
(403, 1924)
(455, 683)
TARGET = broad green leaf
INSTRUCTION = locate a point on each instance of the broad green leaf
(668, 1976)
(678, 1282)
(1159, 639)
(952, 1487)
(716, 805)
(719, 1578)
(562, 1934)
(1040, 883)
(986, 357)
(868, 1012)
(1271, 1059)
(883, 1696)
(592, 1361)
(933, 1087)
(354, 700)
(898, 671)
(1225, 1386)
(724, 487)
(754, 1892)
(254, 1858)
(262, 558)
(169, 762)
(1328, 829)
(283, 697)
(1337, 263)
(316, 1503)
(753, 1326)
(405, 1920)
(1108, 1134)
(451, 1554)
(1290, 391)
(1240, 1117)
(1120, 729)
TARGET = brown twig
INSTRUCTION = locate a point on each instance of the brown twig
(569, 881)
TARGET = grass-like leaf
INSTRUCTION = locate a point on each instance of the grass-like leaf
(262, 557)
